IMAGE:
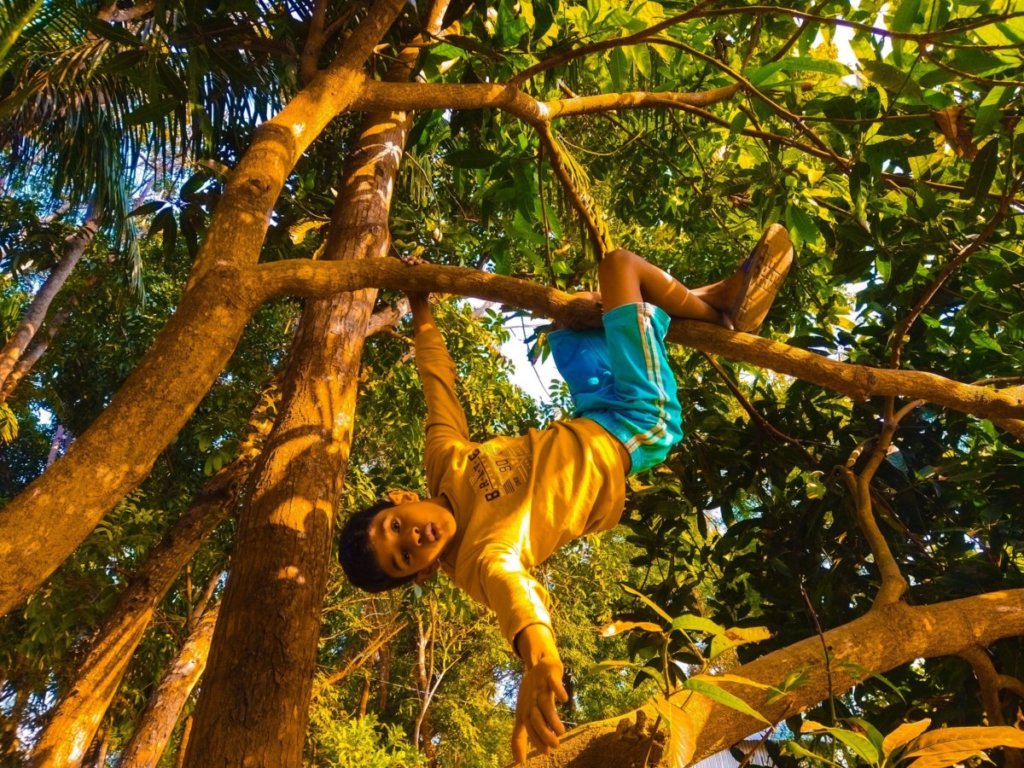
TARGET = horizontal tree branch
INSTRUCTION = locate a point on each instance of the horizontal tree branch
(318, 279)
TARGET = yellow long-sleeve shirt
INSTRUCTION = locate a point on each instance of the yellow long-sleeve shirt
(515, 499)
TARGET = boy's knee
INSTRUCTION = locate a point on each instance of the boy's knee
(616, 262)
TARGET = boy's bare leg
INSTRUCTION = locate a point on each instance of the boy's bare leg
(626, 278)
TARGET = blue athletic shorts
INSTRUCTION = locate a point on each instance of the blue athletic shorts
(619, 377)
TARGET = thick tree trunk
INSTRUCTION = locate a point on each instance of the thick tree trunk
(73, 724)
(74, 247)
(156, 726)
(40, 528)
(881, 640)
(253, 705)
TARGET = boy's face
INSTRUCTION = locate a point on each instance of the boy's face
(409, 538)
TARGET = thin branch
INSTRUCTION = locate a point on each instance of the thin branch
(604, 45)
(900, 334)
(754, 414)
(826, 656)
(923, 37)
(966, 75)
(750, 88)
(575, 184)
(315, 39)
(362, 657)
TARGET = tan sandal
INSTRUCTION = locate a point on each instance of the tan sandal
(764, 270)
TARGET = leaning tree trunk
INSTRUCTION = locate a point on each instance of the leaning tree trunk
(74, 247)
(31, 356)
(156, 725)
(253, 704)
(74, 722)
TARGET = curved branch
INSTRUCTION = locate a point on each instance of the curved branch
(893, 585)
(108, 459)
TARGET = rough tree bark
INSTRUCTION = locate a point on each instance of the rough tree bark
(879, 641)
(283, 543)
(156, 725)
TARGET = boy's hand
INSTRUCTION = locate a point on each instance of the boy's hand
(537, 720)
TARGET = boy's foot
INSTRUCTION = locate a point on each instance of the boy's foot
(764, 270)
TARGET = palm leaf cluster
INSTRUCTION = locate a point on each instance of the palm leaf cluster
(93, 111)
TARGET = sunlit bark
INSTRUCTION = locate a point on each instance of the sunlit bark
(75, 720)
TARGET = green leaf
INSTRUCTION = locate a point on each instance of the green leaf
(510, 25)
(990, 110)
(905, 16)
(735, 637)
(690, 623)
(151, 113)
(802, 751)
(703, 685)
(801, 226)
(474, 158)
(947, 746)
(982, 173)
(681, 735)
(648, 602)
(113, 33)
(641, 57)
(860, 744)
(890, 78)
(618, 627)
(618, 70)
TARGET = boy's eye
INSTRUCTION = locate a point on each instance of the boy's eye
(394, 526)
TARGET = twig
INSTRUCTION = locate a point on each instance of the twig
(824, 651)
(900, 334)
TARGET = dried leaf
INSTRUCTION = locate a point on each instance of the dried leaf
(953, 125)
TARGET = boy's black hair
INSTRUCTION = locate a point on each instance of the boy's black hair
(357, 557)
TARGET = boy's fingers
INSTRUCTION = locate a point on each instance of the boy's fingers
(519, 743)
(550, 715)
(540, 729)
(560, 691)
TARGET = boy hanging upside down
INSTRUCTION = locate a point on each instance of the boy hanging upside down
(500, 507)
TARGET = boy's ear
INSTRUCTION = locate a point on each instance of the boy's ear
(427, 573)
(402, 497)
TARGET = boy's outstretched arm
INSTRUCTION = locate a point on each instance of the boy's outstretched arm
(537, 719)
(422, 316)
